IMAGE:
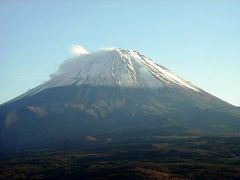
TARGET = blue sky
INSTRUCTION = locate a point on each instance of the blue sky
(200, 41)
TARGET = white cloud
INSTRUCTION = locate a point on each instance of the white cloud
(79, 54)
(77, 50)
(74, 61)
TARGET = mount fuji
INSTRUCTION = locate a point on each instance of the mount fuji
(108, 96)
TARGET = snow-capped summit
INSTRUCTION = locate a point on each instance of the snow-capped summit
(115, 67)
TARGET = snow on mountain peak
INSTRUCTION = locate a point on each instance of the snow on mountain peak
(115, 67)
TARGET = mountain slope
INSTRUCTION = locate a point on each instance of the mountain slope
(112, 95)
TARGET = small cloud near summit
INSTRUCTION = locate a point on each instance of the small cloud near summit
(78, 50)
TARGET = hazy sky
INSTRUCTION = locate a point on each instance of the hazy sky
(199, 41)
